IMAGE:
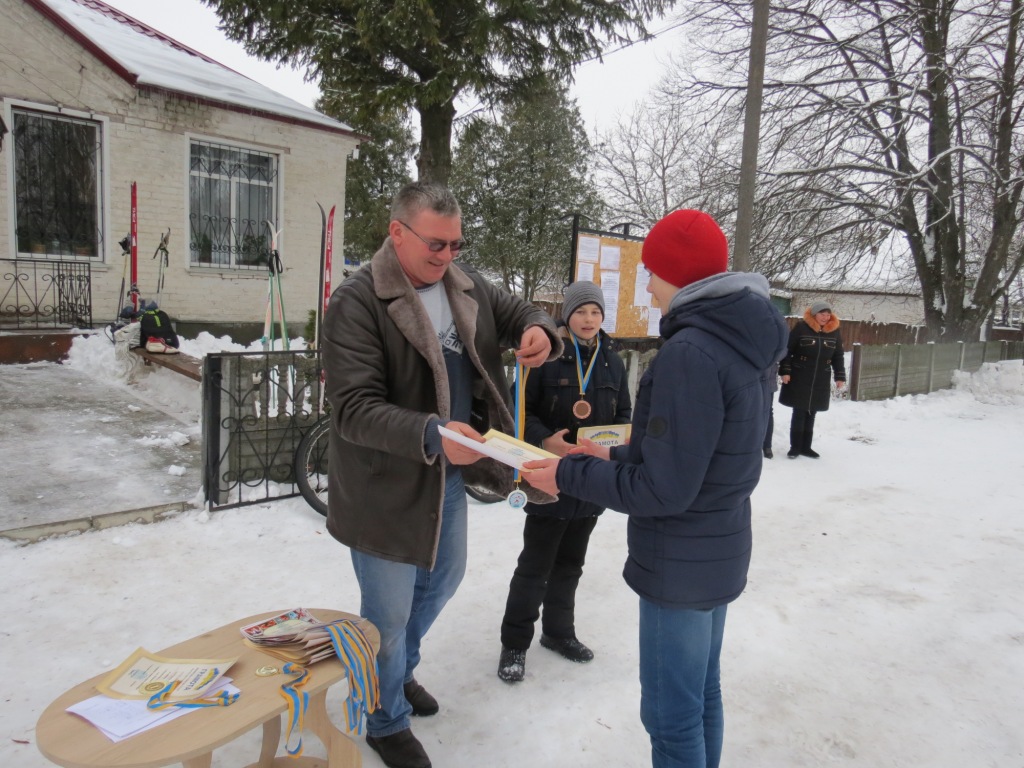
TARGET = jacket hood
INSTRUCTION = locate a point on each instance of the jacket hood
(735, 308)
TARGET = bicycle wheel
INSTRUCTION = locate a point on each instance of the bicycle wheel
(484, 497)
(311, 465)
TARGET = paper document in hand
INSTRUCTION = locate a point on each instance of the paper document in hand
(501, 447)
(144, 674)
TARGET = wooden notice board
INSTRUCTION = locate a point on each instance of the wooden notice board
(612, 261)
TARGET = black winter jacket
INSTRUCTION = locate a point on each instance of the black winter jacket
(551, 392)
(811, 354)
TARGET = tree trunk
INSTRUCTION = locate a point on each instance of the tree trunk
(435, 159)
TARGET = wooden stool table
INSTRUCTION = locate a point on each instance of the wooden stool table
(70, 741)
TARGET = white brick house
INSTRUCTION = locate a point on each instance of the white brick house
(93, 100)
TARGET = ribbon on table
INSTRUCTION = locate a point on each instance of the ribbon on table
(160, 700)
(360, 660)
(298, 702)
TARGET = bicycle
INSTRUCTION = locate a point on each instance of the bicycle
(311, 465)
(311, 469)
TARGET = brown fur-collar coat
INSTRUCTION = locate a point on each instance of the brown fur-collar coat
(812, 350)
(386, 381)
(831, 325)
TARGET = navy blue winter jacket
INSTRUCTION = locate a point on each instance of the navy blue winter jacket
(694, 458)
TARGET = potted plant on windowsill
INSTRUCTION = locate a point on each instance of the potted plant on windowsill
(83, 249)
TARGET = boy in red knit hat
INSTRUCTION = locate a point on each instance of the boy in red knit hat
(686, 476)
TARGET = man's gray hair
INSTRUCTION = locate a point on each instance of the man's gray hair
(424, 195)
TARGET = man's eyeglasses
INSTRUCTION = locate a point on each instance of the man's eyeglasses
(436, 246)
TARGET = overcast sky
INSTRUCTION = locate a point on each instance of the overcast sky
(603, 90)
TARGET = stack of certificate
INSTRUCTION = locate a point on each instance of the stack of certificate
(294, 635)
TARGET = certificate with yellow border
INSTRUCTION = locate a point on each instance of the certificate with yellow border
(144, 674)
(501, 447)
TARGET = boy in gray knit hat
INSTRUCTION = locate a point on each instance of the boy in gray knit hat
(586, 386)
(578, 294)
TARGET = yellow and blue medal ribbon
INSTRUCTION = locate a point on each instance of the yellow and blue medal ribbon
(298, 702)
(517, 498)
(584, 379)
(360, 660)
(160, 700)
(519, 405)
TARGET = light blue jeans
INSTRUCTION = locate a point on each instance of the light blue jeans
(403, 600)
(680, 691)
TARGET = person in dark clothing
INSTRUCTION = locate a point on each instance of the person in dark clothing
(773, 380)
(555, 536)
(686, 477)
(815, 345)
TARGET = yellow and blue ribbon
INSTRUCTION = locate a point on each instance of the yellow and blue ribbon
(298, 702)
(360, 661)
(519, 405)
(160, 700)
(584, 379)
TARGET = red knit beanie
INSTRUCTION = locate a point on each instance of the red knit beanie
(684, 247)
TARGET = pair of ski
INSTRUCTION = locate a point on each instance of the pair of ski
(326, 253)
(275, 300)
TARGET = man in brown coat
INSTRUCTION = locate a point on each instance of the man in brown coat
(412, 342)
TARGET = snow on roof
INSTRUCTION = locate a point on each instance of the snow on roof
(149, 58)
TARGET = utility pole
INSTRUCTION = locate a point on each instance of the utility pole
(751, 136)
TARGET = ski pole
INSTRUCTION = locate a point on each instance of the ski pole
(164, 255)
(125, 252)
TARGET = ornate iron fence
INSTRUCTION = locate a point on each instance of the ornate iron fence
(45, 294)
(256, 408)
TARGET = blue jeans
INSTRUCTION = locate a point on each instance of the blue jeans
(403, 600)
(680, 692)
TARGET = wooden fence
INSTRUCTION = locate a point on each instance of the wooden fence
(891, 370)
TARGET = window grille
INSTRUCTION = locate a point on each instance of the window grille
(57, 183)
(232, 194)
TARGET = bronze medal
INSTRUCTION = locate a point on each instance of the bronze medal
(581, 409)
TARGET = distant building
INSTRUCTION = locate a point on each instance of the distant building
(93, 100)
(877, 305)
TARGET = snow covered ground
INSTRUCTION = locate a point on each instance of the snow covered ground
(882, 626)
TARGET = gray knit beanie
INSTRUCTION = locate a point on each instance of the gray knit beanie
(820, 306)
(578, 294)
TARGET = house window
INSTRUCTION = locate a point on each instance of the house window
(56, 186)
(232, 196)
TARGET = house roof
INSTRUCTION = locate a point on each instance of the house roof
(149, 59)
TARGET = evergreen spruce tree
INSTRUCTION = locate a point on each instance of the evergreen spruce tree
(423, 54)
(520, 177)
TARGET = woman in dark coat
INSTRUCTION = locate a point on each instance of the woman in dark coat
(815, 345)
(556, 536)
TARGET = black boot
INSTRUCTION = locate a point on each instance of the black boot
(805, 449)
(512, 665)
(796, 442)
(569, 647)
(423, 704)
(399, 750)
